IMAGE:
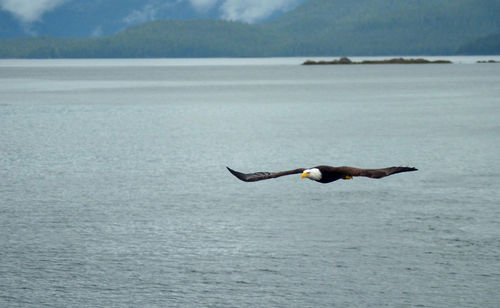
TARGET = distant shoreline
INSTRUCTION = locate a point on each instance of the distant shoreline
(345, 61)
(488, 61)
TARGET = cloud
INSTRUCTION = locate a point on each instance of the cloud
(245, 10)
(97, 32)
(147, 13)
(29, 11)
(253, 10)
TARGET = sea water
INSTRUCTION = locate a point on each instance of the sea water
(114, 191)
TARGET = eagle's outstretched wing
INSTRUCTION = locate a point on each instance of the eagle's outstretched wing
(372, 173)
(259, 176)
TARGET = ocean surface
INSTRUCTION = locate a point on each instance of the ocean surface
(114, 190)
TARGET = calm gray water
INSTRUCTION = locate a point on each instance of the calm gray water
(114, 192)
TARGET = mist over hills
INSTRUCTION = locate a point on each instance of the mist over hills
(97, 18)
(314, 28)
(92, 18)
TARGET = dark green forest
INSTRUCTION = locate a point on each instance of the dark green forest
(488, 45)
(316, 28)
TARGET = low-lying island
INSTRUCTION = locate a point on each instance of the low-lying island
(345, 60)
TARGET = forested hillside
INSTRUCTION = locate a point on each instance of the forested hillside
(316, 28)
(488, 45)
(373, 27)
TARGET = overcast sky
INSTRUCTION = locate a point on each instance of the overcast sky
(29, 11)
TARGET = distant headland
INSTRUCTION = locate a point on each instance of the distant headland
(345, 60)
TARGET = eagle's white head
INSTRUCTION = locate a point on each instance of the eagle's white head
(313, 174)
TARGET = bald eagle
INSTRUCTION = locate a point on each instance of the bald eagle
(323, 174)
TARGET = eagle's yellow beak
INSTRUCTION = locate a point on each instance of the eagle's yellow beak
(305, 175)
